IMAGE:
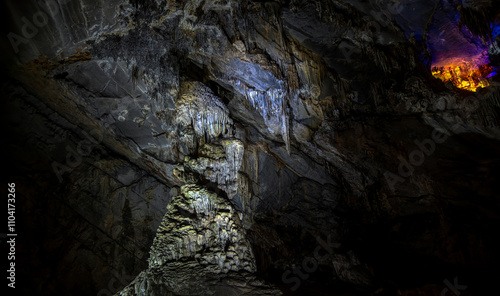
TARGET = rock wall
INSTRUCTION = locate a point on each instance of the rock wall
(248, 148)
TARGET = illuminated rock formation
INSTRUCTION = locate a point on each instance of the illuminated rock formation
(199, 248)
(199, 108)
(464, 75)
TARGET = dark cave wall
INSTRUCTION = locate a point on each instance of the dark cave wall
(315, 103)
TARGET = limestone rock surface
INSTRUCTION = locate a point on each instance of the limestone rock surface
(228, 147)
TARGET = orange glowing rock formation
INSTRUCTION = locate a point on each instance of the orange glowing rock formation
(465, 75)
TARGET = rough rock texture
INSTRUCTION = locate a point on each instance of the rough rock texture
(200, 248)
(249, 147)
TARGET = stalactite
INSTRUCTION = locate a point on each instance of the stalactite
(198, 107)
(272, 105)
